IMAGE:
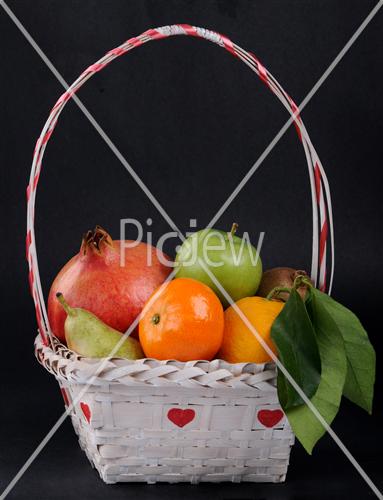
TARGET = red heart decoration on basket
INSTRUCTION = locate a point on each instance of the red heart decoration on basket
(86, 411)
(181, 417)
(269, 418)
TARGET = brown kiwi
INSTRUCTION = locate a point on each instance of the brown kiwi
(283, 277)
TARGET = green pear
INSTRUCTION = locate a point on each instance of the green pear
(90, 337)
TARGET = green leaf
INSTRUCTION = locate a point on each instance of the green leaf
(306, 426)
(359, 385)
(294, 337)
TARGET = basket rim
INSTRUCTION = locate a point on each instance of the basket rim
(68, 366)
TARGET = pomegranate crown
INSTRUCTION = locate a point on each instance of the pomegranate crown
(94, 240)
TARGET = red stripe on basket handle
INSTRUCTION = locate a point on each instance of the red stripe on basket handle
(32, 287)
(263, 76)
(322, 241)
(36, 178)
(47, 135)
(135, 41)
(323, 230)
(322, 287)
(189, 30)
(28, 241)
(297, 118)
(322, 254)
(261, 70)
(228, 44)
(94, 68)
(65, 396)
(154, 34)
(62, 99)
(31, 281)
(118, 51)
(40, 323)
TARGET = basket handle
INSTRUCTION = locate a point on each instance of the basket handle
(320, 191)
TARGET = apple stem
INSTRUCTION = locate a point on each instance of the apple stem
(234, 228)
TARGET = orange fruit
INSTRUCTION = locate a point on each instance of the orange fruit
(239, 342)
(183, 320)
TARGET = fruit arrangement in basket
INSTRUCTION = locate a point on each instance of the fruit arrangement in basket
(216, 304)
(145, 419)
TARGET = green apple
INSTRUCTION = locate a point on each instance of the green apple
(234, 262)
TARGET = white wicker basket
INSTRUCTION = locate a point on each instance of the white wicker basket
(152, 420)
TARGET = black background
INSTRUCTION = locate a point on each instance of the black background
(191, 120)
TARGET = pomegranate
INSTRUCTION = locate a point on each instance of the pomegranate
(94, 280)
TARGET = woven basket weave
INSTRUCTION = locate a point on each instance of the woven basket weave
(151, 420)
(133, 421)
